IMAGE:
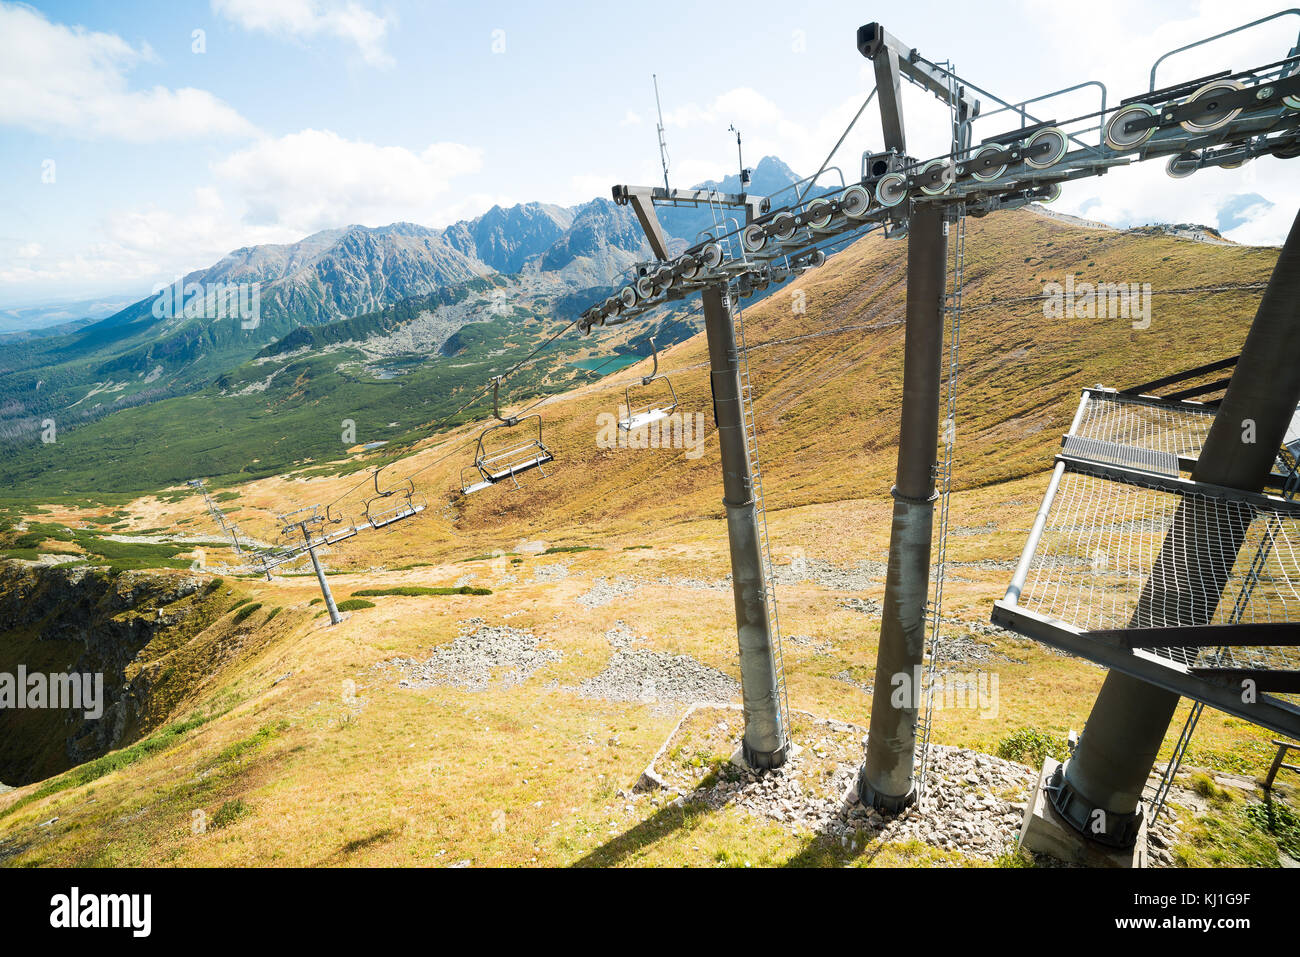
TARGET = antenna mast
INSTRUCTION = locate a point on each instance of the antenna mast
(740, 156)
(663, 143)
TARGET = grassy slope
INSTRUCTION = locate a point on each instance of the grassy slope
(404, 776)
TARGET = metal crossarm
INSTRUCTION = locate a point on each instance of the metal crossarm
(1222, 120)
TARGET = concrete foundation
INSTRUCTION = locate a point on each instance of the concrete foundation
(1044, 831)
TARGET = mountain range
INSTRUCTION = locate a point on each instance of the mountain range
(406, 291)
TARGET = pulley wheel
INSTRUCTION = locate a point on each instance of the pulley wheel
(855, 202)
(1208, 96)
(1046, 147)
(891, 189)
(1117, 138)
(977, 167)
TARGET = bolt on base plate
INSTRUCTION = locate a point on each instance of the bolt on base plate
(749, 760)
(1045, 831)
(885, 803)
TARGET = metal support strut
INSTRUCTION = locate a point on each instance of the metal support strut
(320, 574)
(766, 738)
(885, 781)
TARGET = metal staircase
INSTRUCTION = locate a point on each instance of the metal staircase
(760, 521)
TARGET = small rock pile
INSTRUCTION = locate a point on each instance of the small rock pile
(482, 655)
(964, 649)
(555, 572)
(695, 584)
(621, 636)
(829, 576)
(864, 606)
(644, 675)
(603, 591)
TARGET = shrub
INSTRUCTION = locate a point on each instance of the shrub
(355, 604)
(229, 813)
(1278, 820)
(245, 612)
(1032, 747)
(412, 590)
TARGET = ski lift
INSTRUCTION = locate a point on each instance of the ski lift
(493, 464)
(379, 516)
(330, 517)
(639, 416)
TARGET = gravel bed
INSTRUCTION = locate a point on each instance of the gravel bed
(655, 676)
(483, 655)
(829, 576)
(554, 572)
(621, 636)
(605, 590)
(973, 804)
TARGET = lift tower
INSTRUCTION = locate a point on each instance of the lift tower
(885, 780)
(766, 741)
(1216, 121)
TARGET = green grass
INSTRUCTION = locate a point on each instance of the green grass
(349, 604)
(1278, 820)
(253, 742)
(113, 761)
(355, 604)
(244, 612)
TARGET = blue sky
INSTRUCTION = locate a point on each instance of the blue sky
(127, 157)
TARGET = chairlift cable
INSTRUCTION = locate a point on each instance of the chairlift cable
(831, 155)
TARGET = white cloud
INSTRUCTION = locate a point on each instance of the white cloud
(304, 19)
(144, 244)
(68, 80)
(316, 179)
(274, 191)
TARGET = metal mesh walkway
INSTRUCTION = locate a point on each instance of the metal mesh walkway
(1116, 554)
(1131, 564)
(1140, 433)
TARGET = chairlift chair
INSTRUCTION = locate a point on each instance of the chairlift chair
(496, 464)
(381, 517)
(640, 416)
